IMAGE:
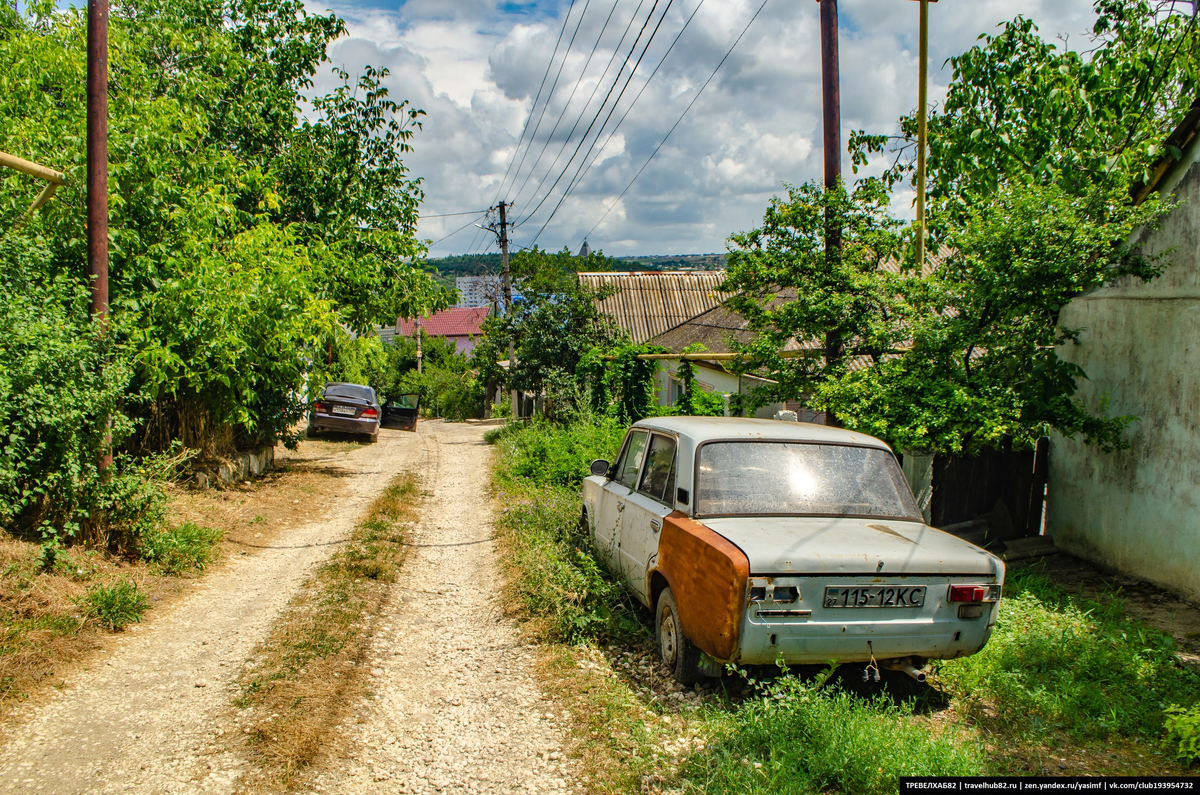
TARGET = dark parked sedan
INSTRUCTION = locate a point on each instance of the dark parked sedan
(346, 408)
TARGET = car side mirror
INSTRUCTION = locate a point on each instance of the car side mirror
(599, 467)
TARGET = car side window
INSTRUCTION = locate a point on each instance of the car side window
(631, 459)
(658, 479)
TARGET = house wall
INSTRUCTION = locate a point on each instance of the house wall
(1138, 510)
(711, 378)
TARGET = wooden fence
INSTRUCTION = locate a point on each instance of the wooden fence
(1005, 487)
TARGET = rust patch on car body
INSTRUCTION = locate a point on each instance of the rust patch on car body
(708, 575)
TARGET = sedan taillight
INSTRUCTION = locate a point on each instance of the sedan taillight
(974, 593)
(320, 407)
(370, 413)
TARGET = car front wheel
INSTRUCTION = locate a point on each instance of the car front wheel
(673, 646)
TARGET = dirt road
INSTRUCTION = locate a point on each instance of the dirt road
(455, 709)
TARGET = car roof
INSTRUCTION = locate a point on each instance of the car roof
(704, 429)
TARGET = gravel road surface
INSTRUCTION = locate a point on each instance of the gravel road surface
(455, 706)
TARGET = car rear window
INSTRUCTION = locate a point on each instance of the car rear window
(797, 479)
(351, 391)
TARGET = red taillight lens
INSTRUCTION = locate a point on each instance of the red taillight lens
(370, 413)
(967, 593)
(320, 407)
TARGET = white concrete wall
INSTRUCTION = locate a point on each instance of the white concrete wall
(1138, 510)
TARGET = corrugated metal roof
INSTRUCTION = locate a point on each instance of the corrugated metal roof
(647, 303)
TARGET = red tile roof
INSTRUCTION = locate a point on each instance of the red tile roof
(458, 322)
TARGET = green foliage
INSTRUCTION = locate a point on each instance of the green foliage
(961, 358)
(559, 583)
(181, 549)
(1183, 731)
(695, 402)
(117, 605)
(1059, 662)
(1022, 110)
(618, 383)
(551, 329)
(797, 737)
(449, 390)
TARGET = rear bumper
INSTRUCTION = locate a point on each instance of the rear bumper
(326, 422)
(819, 634)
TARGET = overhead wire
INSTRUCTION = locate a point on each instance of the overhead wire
(641, 91)
(599, 110)
(612, 109)
(542, 85)
(563, 113)
(456, 231)
(681, 117)
(448, 215)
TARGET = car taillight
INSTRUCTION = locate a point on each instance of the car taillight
(320, 407)
(370, 413)
(974, 593)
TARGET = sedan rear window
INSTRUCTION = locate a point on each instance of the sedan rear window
(350, 391)
(795, 479)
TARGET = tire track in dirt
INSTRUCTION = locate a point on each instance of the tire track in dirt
(456, 705)
(147, 717)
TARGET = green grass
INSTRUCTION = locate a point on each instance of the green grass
(181, 549)
(797, 737)
(116, 605)
(1058, 662)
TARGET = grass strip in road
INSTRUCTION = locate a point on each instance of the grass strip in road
(307, 676)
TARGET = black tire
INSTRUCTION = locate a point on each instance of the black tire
(673, 646)
(373, 438)
(311, 432)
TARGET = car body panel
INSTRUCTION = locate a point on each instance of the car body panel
(708, 577)
(724, 570)
(327, 412)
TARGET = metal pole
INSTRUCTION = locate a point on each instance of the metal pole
(832, 130)
(97, 157)
(923, 101)
(506, 277)
(97, 175)
(420, 369)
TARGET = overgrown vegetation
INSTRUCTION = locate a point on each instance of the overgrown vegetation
(181, 549)
(116, 605)
(1060, 671)
(304, 677)
(244, 237)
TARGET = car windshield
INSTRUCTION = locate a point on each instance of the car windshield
(405, 402)
(800, 479)
(350, 391)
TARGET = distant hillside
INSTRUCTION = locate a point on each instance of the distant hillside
(672, 262)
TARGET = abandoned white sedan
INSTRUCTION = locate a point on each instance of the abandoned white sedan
(759, 540)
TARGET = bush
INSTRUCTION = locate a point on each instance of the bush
(116, 605)
(798, 738)
(181, 549)
(1057, 661)
(547, 454)
(1183, 731)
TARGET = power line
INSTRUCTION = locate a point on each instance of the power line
(641, 91)
(598, 111)
(456, 231)
(448, 215)
(562, 114)
(677, 121)
(549, 64)
(576, 176)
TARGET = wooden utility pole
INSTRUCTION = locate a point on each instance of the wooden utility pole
(923, 101)
(506, 281)
(420, 357)
(835, 346)
(97, 174)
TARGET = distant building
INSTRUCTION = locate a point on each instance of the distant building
(462, 325)
(476, 291)
(585, 250)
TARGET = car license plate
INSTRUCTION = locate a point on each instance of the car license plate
(875, 596)
(348, 410)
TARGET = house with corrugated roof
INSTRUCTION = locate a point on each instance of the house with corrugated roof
(647, 303)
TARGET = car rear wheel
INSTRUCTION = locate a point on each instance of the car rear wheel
(311, 433)
(673, 646)
(373, 438)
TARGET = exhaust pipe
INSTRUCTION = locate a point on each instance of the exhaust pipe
(905, 665)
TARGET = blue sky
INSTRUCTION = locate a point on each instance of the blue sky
(475, 67)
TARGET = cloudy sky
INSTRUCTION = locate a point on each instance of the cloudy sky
(475, 68)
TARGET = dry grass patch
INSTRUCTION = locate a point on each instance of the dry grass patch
(305, 678)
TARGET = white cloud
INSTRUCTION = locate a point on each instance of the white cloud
(475, 69)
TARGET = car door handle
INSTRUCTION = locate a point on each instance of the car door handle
(656, 525)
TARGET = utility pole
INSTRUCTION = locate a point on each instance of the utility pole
(835, 347)
(420, 358)
(97, 174)
(923, 101)
(506, 281)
